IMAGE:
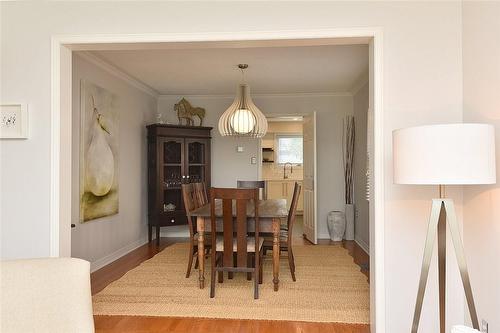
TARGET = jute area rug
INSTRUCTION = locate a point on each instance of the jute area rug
(329, 288)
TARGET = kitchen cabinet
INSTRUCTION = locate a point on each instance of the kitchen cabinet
(283, 189)
(274, 190)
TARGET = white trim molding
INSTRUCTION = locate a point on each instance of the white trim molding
(371, 36)
(362, 244)
(106, 260)
(359, 83)
(55, 143)
(90, 57)
(284, 95)
(377, 224)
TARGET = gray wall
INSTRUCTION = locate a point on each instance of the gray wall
(103, 239)
(481, 36)
(228, 165)
(361, 204)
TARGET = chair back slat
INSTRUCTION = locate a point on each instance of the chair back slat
(227, 217)
(293, 209)
(241, 233)
(188, 196)
(201, 193)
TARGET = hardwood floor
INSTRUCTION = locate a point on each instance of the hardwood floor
(128, 324)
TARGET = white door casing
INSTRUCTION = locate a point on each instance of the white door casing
(309, 184)
(373, 36)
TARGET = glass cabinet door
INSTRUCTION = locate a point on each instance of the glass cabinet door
(172, 173)
(197, 160)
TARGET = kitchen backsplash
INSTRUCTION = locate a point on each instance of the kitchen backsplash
(275, 171)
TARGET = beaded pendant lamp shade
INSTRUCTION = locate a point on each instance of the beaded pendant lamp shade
(243, 118)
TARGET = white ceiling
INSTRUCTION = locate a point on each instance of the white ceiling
(272, 70)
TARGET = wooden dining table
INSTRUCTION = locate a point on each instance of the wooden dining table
(271, 212)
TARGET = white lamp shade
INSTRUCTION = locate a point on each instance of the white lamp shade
(242, 121)
(450, 154)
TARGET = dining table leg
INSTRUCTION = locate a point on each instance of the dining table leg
(276, 253)
(200, 225)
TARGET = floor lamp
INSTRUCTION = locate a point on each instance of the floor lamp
(450, 154)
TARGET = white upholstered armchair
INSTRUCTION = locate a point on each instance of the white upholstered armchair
(45, 295)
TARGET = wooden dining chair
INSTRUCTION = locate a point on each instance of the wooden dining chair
(201, 193)
(260, 184)
(234, 238)
(191, 202)
(286, 236)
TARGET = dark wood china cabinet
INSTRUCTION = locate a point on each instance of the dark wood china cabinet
(176, 155)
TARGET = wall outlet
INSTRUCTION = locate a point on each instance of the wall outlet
(239, 149)
(484, 326)
(253, 160)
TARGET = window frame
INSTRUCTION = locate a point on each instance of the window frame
(277, 136)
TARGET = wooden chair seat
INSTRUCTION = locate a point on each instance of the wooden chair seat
(250, 244)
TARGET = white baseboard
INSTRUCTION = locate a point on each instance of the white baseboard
(362, 244)
(100, 263)
(173, 234)
(324, 236)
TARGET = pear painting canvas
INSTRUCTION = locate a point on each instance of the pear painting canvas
(98, 152)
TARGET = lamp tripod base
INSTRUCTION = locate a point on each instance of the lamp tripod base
(442, 213)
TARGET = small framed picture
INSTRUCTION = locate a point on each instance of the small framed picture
(13, 121)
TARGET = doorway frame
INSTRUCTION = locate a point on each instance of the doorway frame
(62, 47)
(259, 143)
(260, 164)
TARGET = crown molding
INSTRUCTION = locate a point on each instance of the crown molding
(360, 82)
(118, 73)
(285, 95)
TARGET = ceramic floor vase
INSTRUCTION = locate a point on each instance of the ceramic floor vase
(336, 225)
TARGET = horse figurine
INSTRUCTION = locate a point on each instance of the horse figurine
(186, 111)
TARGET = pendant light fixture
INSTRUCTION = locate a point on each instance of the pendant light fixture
(243, 118)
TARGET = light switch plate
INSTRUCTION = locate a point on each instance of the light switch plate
(14, 121)
(239, 149)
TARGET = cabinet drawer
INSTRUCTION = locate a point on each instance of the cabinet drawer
(170, 219)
